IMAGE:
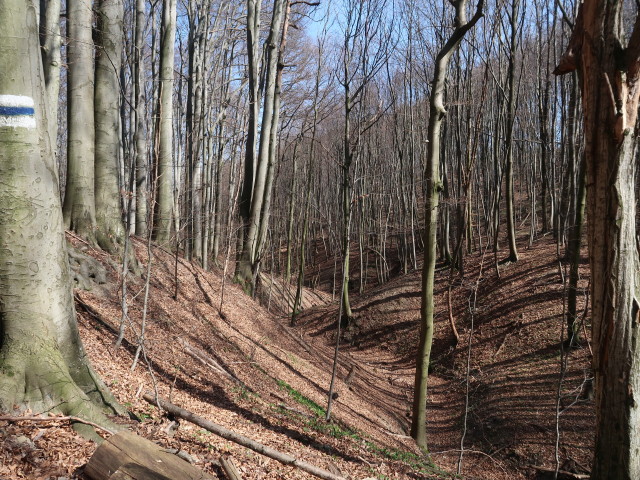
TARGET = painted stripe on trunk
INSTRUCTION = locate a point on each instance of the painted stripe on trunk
(16, 101)
(19, 121)
(16, 111)
(11, 111)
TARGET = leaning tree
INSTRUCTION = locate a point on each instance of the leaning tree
(434, 186)
(607, 59)
(43, 365)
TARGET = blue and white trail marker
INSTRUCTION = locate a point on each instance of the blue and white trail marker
(17, 111)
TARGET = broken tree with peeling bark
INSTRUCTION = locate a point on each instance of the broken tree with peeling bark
(607, 59)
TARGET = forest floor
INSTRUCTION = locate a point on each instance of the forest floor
(494, 397)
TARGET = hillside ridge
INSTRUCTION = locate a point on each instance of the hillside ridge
(246, 369)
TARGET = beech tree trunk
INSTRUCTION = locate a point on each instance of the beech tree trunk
(110, 228)
(243, 270)
(609, 68)
(255, 213)
(79, 199)
(164, 202)
(140, 135)
(42, 363)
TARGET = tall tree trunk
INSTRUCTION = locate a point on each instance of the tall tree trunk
(243, 271)
(274, 128)
(346, 202)
(263, 167)
(42, 363)
(610, 74)
(79, 199)
(110, 231)
(164, 201)
(291, 216)
(511, 119)
(194, 141)
(139, 115)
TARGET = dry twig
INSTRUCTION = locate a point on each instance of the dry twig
(15, 418)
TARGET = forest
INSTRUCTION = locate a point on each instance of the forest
(362, 238)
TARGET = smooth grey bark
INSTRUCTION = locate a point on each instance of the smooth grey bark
(291, 214)
(163, 188)
(260, 167)
(139, 119)
(243, 270)
(43, 365)
(79, 199)
(50, 43)
(544, 93)
(194, 141)
(437, 113)
(109, 44)
(607, 59)
(274, 128)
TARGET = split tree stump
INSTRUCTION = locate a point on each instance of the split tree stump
(127, 456)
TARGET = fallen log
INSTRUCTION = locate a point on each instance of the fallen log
(229, 468)
(241, 439)
(127, 456)
(207, 361)
(577, 476)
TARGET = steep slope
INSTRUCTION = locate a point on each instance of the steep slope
(219, 354)
(513, 364)
(224, 357)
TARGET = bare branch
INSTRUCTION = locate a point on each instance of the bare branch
(15, 418)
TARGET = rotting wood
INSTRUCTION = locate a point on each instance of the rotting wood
(229, 468)
(125, 448)
(241, 439)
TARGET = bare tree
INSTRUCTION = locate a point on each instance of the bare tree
(433, 187)
(366, 38)
(140, 136)
(256, 190)
(51, 41)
